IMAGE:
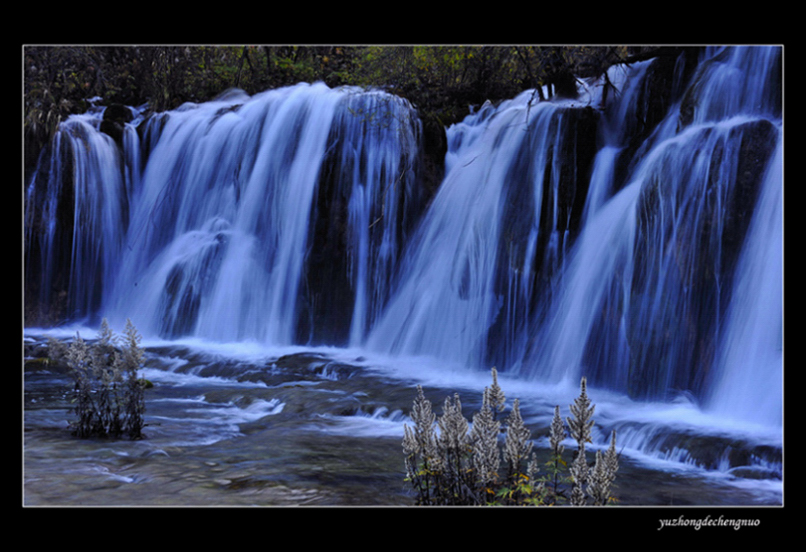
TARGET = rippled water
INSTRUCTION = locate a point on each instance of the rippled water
(317, 428)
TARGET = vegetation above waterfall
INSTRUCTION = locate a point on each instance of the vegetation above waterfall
(442, 81)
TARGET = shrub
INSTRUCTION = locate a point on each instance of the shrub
(108, 396)
(451, 462)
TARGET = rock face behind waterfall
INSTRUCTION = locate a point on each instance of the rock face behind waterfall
(373, 169)
(559, 208)
(646, 297)
(666, 79)
(48, 238)
(673, 339)
(554, 214)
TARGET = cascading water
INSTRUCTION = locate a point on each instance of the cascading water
(91, 178)
(216, 237)
(645, 299)
(652, 299)
(497, 225)
(632, 240)
(750, 353)
(370, 182)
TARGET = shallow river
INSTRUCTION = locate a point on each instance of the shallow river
(316, 428)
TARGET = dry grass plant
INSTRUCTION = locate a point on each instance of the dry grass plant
(451, 462)
(108, 395)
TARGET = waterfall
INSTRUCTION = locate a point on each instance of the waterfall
(500, 217)
(375, 166)
(79, 190)
(633, 237)
(217, 230)
(654, 300)
(749, 370)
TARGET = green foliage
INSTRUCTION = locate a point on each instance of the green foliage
(108, 395)
(442, 81)
(450, 462)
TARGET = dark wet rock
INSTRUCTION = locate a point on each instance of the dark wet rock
(114, 120)
(670, 337)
